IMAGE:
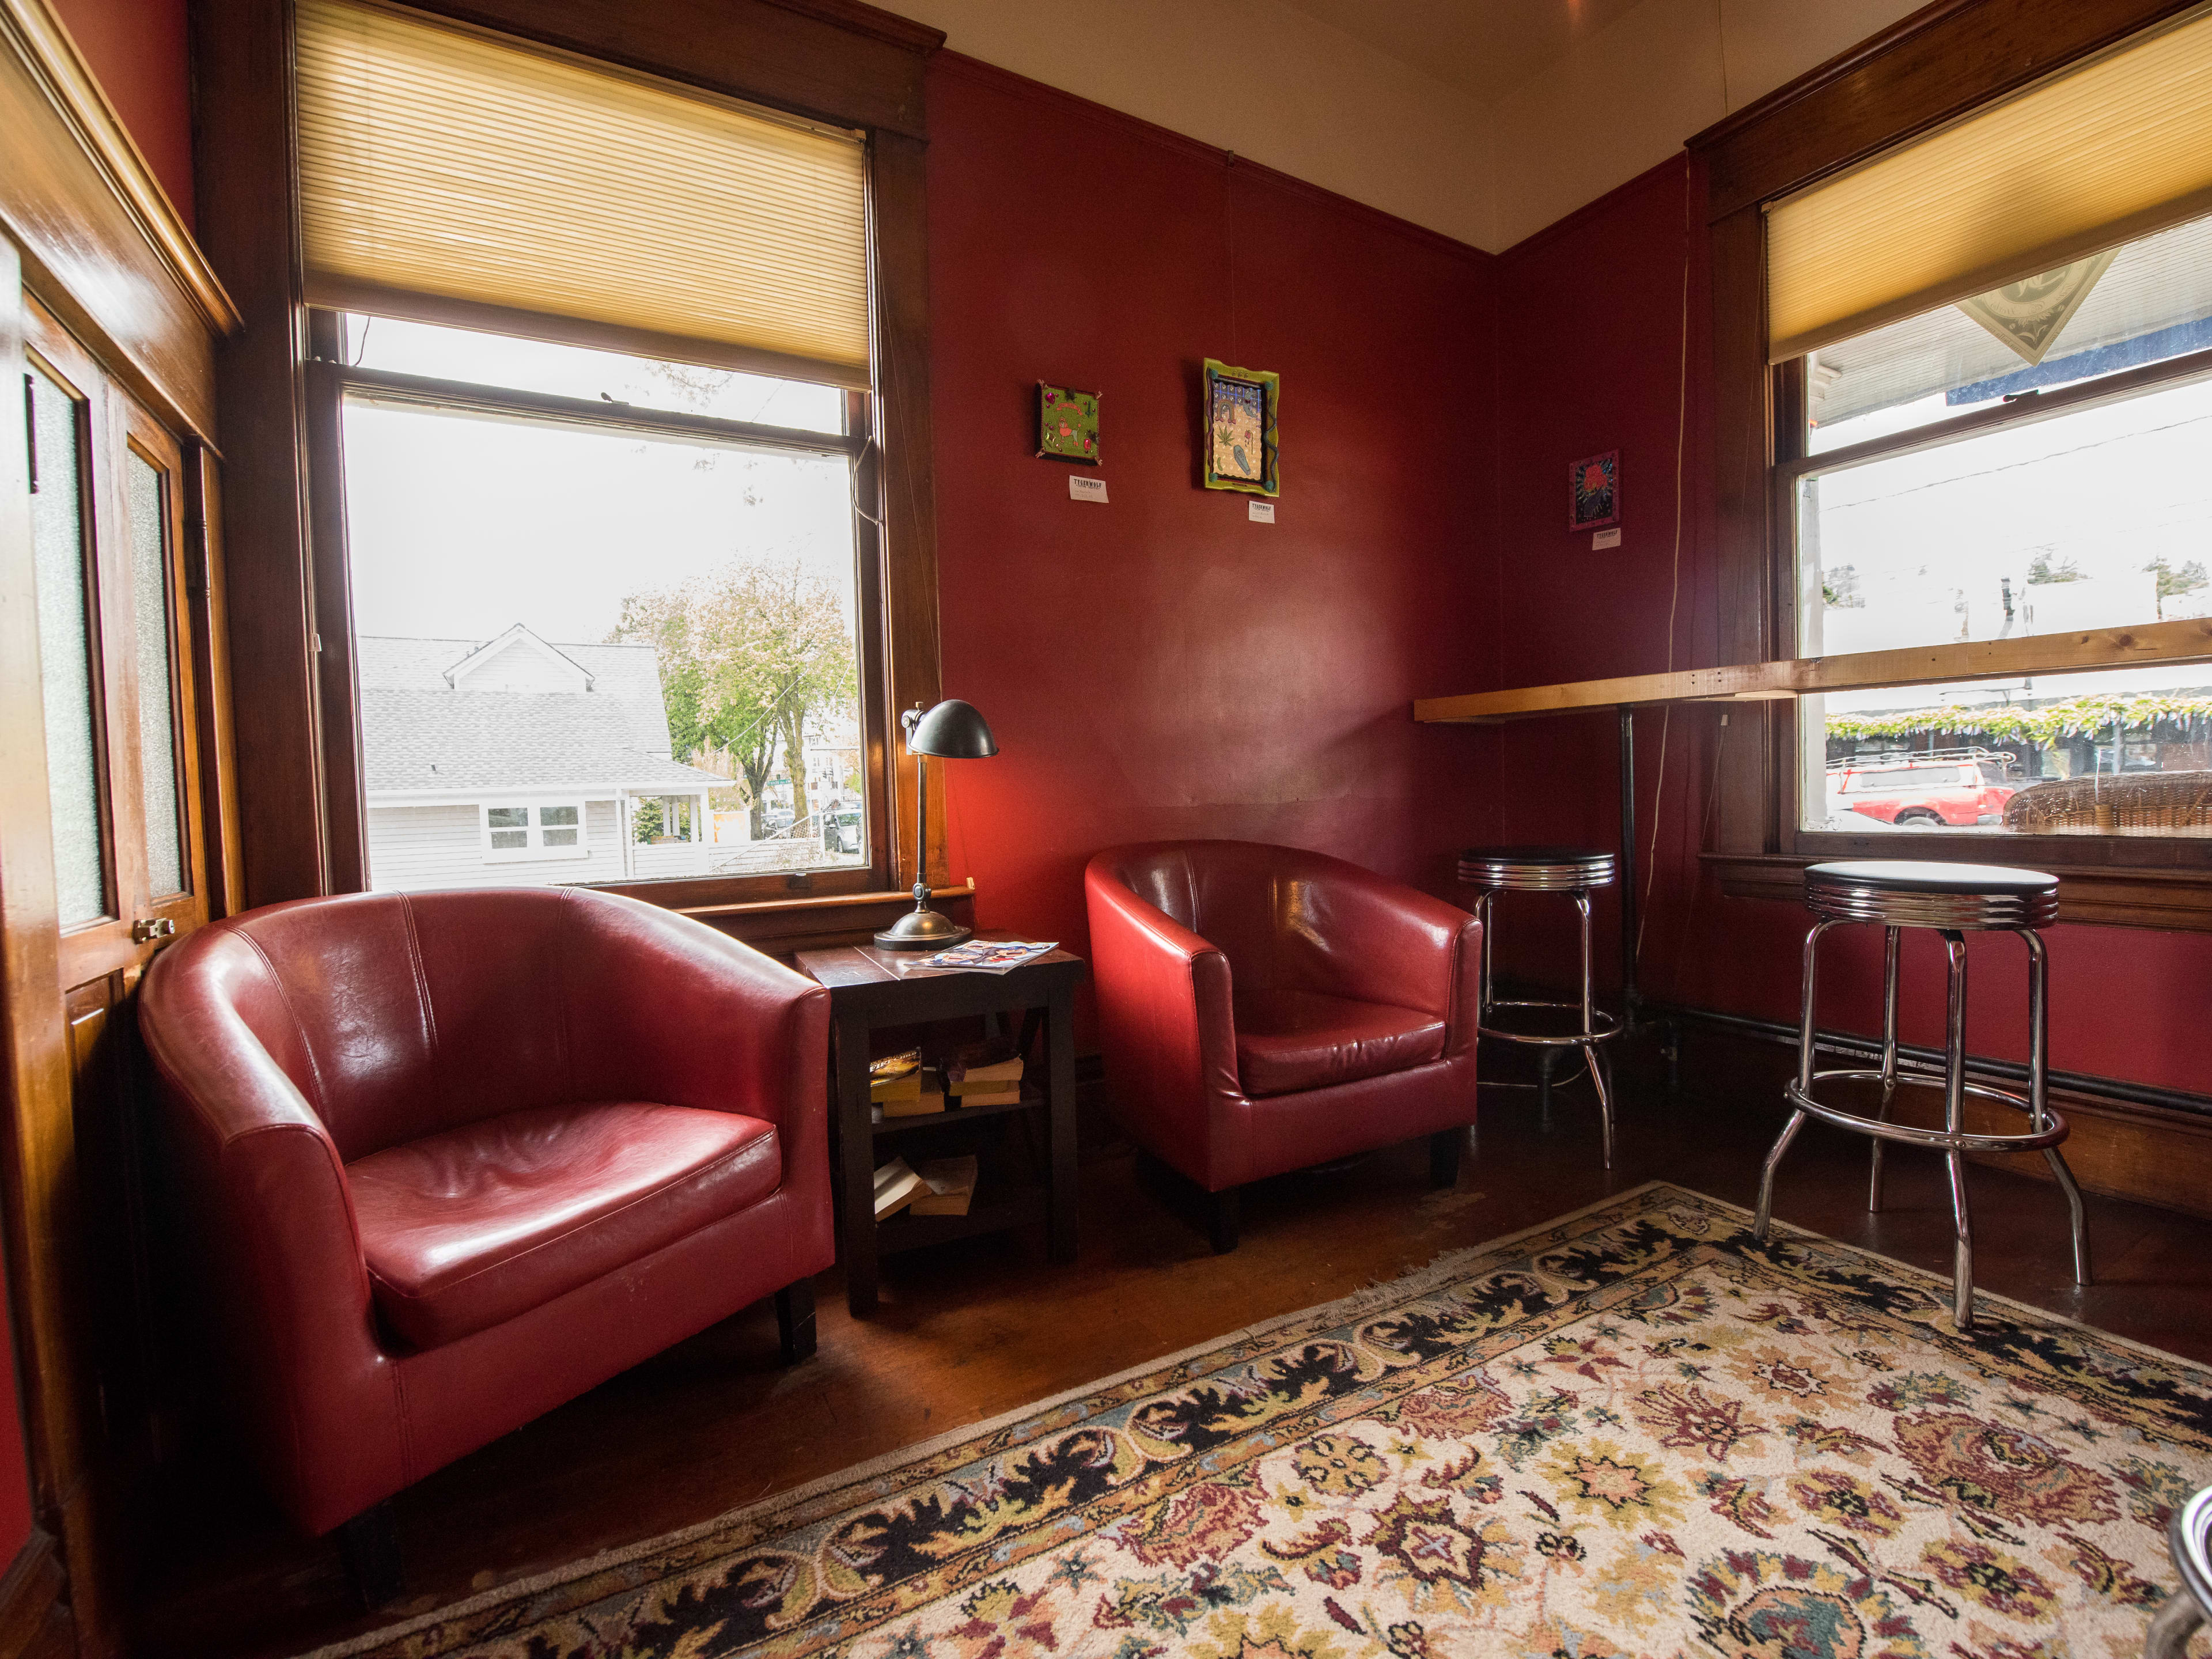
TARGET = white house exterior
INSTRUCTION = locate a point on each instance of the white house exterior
(516, 762)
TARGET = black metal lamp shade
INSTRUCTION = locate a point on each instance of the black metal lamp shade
(953, 730)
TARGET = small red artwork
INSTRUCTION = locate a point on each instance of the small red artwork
(1594, 491)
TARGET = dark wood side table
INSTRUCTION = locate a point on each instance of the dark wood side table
(863, 995)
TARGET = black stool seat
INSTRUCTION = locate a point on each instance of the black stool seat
(1912, 893)
(1536, 869)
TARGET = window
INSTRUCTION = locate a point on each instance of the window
(2029, 462)
(613, 525)
(523, 832)
(650, 610)
(1963, 383)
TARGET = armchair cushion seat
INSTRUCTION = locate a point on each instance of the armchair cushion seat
(465, 1229)
(1288, 1041)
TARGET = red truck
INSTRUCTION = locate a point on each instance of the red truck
(1925, 792)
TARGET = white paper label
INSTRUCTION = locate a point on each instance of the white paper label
(1259, 512)
(1601, 540)
(1087, 489)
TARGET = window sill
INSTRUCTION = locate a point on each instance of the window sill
(2110, 894)
(781, 927)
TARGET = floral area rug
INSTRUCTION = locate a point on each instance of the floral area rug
(1635, 1431)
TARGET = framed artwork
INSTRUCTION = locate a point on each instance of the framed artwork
(1241, 451)
(1068, 424)
(1594, 491)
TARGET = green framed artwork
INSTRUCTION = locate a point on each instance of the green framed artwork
(1241, 451)
(1068, 424)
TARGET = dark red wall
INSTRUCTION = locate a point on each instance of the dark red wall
(136, 50)
(1160, 666)
(1589, 359)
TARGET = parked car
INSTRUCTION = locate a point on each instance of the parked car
(1961, 793)
(841, 830)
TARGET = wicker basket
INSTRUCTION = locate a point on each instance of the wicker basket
(2129, 804)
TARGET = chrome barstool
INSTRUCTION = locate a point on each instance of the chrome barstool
(1576, 871)
(2188, 1536)
(1954, 899)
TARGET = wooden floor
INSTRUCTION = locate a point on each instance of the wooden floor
(974, 1329)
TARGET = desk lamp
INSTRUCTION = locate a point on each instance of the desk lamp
(952, 731)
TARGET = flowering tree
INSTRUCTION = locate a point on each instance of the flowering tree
(749, 653)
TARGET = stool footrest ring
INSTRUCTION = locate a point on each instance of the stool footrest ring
(2028, 1140)
(1603, 1026)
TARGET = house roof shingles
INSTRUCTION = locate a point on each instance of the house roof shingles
(419, 736)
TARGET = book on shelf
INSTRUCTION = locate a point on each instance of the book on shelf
(925, 1099)
(993, 1062)
(948, 1186)
(997, 1094)
(897, 1185)
(896, 1076)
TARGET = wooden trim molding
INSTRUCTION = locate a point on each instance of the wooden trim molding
(1931, 67)
(2177, 900)
(99, 244)
(42, 42)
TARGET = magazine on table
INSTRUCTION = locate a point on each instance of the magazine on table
(989, 955)
(977, 956)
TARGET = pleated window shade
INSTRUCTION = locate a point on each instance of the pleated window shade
(447, 176)
(2111, 150)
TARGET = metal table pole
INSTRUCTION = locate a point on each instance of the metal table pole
(1629, 998)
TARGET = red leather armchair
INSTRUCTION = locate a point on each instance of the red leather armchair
(1263, 1009)
(455, 1158)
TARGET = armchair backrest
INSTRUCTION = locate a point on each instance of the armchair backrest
(1255, 903)
(399, 1015)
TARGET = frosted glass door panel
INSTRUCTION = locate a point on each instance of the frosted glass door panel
(146, 490)
(58, 531)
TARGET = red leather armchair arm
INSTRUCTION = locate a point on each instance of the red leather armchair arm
(1378, 941)
(274, 1226)
(1164, 1014)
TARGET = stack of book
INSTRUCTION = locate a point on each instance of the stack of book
(903, 1087)
(942, 1186)
(984, 1074)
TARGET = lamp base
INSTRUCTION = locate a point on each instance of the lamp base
(923, 930)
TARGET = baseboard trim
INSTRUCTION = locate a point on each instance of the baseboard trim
(2129, 1140)
(29, 1597)
(2077, 1086)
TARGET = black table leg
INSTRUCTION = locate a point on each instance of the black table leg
(856, 1146)
(1059, 1043)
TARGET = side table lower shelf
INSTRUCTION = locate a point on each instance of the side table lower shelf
(909, 1232)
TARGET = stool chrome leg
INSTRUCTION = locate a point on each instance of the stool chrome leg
(1765, 1211)
(2176, 1621)
(1954, 1123)
(1590, 1050)
(2039, 1090)
(1486, 991)
(1598, 1071)
(1889, 954)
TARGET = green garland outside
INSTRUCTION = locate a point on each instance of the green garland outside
(2076, 717)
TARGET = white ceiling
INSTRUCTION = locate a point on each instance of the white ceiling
(1485, 48)
(1484, 119)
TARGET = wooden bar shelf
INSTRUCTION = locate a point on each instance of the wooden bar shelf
(2148, 645)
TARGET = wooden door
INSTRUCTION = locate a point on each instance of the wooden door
(108, 489)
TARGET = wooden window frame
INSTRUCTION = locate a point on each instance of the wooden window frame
(330, 381)
(832, 60)
(1940, 63)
